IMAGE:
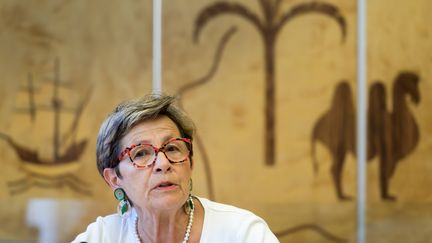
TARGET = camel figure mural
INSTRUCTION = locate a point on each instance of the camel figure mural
(268, 27)
(392, 135)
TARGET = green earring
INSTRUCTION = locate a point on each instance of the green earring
(190, 203)
(123, 206)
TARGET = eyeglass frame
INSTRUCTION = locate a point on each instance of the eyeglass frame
(127, 151)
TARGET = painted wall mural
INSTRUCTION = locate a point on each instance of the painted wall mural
(57, 170)
(206, 162)
(61, 74)
(392, 135)
(268, 28)
(271, 86)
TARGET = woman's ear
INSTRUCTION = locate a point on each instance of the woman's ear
(111, 177)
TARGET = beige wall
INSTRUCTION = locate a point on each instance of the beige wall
(105, 49)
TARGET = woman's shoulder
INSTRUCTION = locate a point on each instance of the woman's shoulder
(106, 222)
(227, 223)
(224, 209)
(105, 227)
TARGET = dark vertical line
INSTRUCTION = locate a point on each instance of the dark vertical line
(32, 106)
(269, 39)
(56, 107)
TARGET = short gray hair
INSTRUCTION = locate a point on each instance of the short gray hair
(129, 114)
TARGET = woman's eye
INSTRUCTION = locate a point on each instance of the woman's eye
(142, 153)
(172, 148)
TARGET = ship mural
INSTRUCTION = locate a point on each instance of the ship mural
(57, 170)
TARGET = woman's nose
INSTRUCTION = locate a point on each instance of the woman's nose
(162, 163)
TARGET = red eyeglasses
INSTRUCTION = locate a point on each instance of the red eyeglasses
(176, 150)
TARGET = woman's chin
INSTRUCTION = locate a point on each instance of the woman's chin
(166, 201)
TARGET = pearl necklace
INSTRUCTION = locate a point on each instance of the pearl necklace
(188, 227)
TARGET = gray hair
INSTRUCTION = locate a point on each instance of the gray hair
(129, 114)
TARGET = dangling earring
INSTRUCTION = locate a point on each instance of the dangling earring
(123, 206)
(189, 205)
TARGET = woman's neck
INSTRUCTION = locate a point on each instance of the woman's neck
(158, 226)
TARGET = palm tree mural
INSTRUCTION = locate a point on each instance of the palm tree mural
(269, 26)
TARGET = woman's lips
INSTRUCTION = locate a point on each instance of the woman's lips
(166, 186)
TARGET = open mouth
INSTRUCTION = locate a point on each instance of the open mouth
(165, 185)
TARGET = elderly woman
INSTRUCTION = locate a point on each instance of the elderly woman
(144, 153)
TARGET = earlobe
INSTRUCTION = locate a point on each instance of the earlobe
(111, 177)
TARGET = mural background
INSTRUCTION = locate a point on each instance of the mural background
(104, 50)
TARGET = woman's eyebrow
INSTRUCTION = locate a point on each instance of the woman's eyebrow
(146, 141)
(140, 141)
(169, 137)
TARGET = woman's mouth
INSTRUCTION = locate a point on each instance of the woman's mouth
(166, 186)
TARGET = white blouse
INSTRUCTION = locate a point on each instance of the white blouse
(222, 223)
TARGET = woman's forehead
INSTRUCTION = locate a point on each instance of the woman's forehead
(152, 131)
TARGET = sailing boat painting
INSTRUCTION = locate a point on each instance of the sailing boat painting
(59, 169)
